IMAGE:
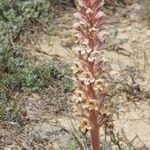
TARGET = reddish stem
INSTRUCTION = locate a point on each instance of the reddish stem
(95, 132)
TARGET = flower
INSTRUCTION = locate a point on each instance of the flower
(89, 94)
(91, 105)
(84, 126)
(89, 11)
(79, 97)
(100, 85)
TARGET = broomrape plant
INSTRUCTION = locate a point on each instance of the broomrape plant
(90, 90)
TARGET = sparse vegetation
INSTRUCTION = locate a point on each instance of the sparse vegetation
(147, 9)
(36, 79)
(72, 145)
(16, 73)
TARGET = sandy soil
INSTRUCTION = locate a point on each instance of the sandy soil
(128, 52)
(128, 40)
(128, 47)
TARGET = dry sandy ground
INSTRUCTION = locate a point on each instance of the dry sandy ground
(128, 39)
(128, 51)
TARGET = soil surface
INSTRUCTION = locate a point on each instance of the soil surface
(127, 56)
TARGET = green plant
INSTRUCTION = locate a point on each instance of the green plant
(15, 15)
(72, 145)
(67, 85)
(147, 9)
(16, 74)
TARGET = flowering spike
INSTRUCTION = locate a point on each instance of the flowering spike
(90, 93)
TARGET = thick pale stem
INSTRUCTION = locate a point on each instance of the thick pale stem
(95, 133)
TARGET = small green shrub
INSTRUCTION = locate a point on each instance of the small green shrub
(16, 72)
(67, 85)
(72, 145)
(14, 15)
(17, 75)
(147, 9)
